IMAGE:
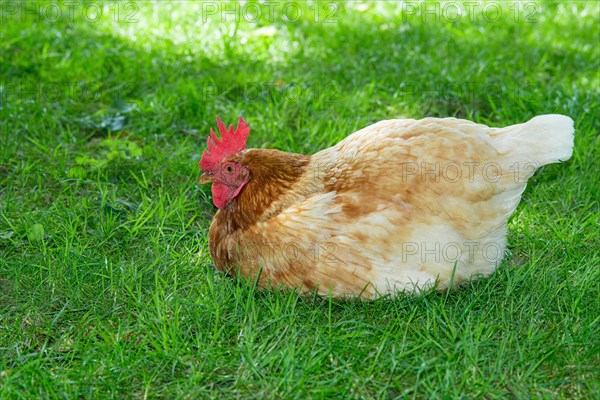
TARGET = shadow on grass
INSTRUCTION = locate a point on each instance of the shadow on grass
(308, 77)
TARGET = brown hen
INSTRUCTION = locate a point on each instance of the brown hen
(401, 205)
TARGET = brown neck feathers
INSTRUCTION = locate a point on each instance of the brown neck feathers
(272, 174)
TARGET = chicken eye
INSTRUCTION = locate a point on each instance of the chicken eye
(229, 169)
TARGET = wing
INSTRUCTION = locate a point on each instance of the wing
(430, 167)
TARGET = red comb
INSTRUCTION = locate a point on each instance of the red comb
(230, 143)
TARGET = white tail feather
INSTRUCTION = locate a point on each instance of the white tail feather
(544, 139)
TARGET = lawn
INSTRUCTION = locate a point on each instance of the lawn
(106, 285)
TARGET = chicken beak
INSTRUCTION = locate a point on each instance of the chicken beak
(205, 179)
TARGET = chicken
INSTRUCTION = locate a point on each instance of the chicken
(400, 206)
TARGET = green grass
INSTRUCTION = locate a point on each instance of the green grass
(106, 285)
